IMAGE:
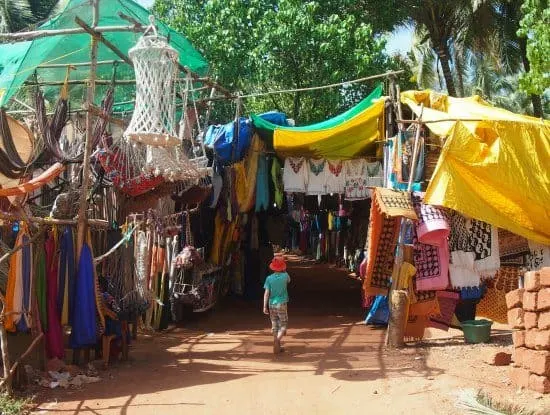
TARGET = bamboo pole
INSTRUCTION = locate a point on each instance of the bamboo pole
(83, 202)
(17, 248)
(5, 356)
(98, 112)
(99, 37)
(441, 120)
(11, 371)
(51, 221)
(64, 65)
(37, 34)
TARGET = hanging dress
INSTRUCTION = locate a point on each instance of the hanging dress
(356, 179)
(262, 185)
(277, 178)
(295, 175)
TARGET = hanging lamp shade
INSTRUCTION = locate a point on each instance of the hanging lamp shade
(156, 64)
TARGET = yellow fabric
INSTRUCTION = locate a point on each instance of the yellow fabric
(495, 170)
(345, 141)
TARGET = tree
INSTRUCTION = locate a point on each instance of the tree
(262, 45)
(535, 32)
(16, 15)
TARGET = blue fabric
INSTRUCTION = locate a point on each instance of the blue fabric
(22, 324)
(379, 313)
(274, 117)
(84, 322)
(227, 146)
(277, 283)
(66, 263)
(262, 185)
(472, 293)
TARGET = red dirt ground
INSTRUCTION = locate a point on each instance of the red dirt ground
(222, 363)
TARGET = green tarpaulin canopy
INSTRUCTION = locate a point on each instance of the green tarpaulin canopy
(18, 61)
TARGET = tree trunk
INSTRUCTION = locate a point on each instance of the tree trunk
(535, 99)
(447, 74)
(459, 73)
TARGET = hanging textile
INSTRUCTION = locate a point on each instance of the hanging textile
(447, 304)
(278, 185)
(355, 172)
(295, 174)
(513, 248)
(262, 185)
(84, 319)
(345, 136)
(488, 169)
(41, 286)
(246, 173)
(317, 177)
(431, 250)
(54, 333)
(14, 287)
(25, 322)
(66, 278)
(402, 158)
(539, 256)
(35, 183)
(336, 179)
(387, 206)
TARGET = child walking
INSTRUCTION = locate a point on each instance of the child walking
(276, 297)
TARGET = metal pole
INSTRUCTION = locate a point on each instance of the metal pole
(83, 202)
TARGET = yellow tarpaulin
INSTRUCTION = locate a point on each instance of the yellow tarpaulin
(350, 139)
(496, 170)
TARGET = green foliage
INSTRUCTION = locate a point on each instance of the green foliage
(17, 15)
(12, 406)
(261, 45)
(535, 27)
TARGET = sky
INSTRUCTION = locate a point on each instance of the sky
(399, 41)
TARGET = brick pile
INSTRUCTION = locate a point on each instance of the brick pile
(529, 315)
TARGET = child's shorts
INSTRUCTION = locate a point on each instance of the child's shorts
(279, 317)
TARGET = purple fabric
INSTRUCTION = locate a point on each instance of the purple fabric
(54, 334)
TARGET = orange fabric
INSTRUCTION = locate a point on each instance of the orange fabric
(9, 322)
(36, 183)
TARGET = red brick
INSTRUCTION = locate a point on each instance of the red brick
(519, 377)
(543, 299)
(531, 338)
(514, 298)
(530, 301)
(499, 359)
(537, 361)
(544, 320)
(542, 340)
(515, 318)
(530, 319)
(518, 356)
(545, 276)
(540, 384)
(518, 337)
(532, 281)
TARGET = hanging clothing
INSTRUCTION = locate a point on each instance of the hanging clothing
(295, 175)
(54, 332)
(84, 326)
(41, 287)
(317, 177)
(355, 172)
(431, 250)
(277, 178)
(262, 185)
(217, 185)
(336, 178)
(375, 174)
(66, 278)
(539, 256)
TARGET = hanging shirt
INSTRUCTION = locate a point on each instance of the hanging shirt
(336, 179)
(375, 174)
(356, 179)
(317, 175)
(295, 175)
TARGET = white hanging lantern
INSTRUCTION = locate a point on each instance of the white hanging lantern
(156, 67)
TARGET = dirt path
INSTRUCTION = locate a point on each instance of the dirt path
(222, 363)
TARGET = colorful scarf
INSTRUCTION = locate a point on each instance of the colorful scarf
(54, 332)
(447, 304)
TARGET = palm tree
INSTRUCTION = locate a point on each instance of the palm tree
(16, 15)
(441, 22)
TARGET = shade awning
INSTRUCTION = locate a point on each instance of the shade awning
(345, 136)
(495, 169)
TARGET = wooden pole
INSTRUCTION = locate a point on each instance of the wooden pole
(5, 356)
(83, 202)
(11, 371)
(64, 65)
(37, 34)
(51, 221)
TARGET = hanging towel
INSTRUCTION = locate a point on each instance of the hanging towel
(84, 326)
(485, 247)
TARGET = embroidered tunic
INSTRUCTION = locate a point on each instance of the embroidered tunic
(356, 179)
(336, 179)
(317, 177)
(295, 175)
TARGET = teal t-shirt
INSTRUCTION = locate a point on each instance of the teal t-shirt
(276, 283)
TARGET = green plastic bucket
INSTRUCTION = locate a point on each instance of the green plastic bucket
(477, 331)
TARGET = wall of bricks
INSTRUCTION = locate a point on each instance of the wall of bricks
(529, 315)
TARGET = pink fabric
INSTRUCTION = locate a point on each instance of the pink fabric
(54, 335)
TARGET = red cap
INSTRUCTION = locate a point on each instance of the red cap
(278, 264)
